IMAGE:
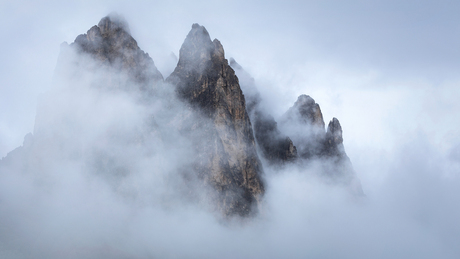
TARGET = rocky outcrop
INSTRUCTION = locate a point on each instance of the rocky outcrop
(304, 124)
(333, 142)
(111, 45)
(307, 112)
(275, 146)
(104, 61)
(226, 156)
(111, 114)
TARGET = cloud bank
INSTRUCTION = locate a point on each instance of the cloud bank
(389, 81)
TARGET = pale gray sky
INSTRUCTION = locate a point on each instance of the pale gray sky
(285, 43)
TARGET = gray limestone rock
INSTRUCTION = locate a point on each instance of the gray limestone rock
(110, 44)
(226, 156)
(275, 147)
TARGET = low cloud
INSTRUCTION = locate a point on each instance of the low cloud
(401, 136)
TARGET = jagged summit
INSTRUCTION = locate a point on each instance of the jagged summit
(111, 44)
(333, 144)
(335, 130)
(197, 123)
(198, 51)
(300, 137)
(203, 61)
(205, 81)
(307, 111)
(113, 22)
(304, 124)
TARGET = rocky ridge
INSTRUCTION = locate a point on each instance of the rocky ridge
(205, 81)
(299, 138)
(112, 46)
(227, 130)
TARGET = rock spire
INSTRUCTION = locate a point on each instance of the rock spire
(226, 155)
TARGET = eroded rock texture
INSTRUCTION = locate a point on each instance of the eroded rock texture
(299, 138)
(304, 123)
(111, 45)
(110, 113)
(226, 156)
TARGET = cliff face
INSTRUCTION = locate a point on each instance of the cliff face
(299, 139)
(98, 113)
(99, 67)
(275, 147)
(304, 123)
(333, 142)
(111, 45)
(226, 156)
(112, 114)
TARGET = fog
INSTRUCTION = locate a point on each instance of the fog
(386, 70)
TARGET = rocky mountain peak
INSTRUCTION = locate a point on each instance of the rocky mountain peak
(110, 45)
(218, 50)
(221, 132)
(111, 35)
(112, 23)
(333, 141)
(308, 111)
(304, 99)
(205, 81)
(334, 131)
(198, 50)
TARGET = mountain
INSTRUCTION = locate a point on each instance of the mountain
(304, 123)
(200, 136)
(111, 44)
(299, 138)
(205, 81)
(275, 147)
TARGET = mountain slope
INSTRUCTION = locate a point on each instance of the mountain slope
(226, 154)
(111, 115)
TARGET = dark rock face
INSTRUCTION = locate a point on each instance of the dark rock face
(226, 153)
(111, 44)
(276, 148)
(106, 59)
(333, 142)
(306, 111)
(304, 124)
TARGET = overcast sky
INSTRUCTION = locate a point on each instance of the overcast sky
(388, 70)
(321, 48)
